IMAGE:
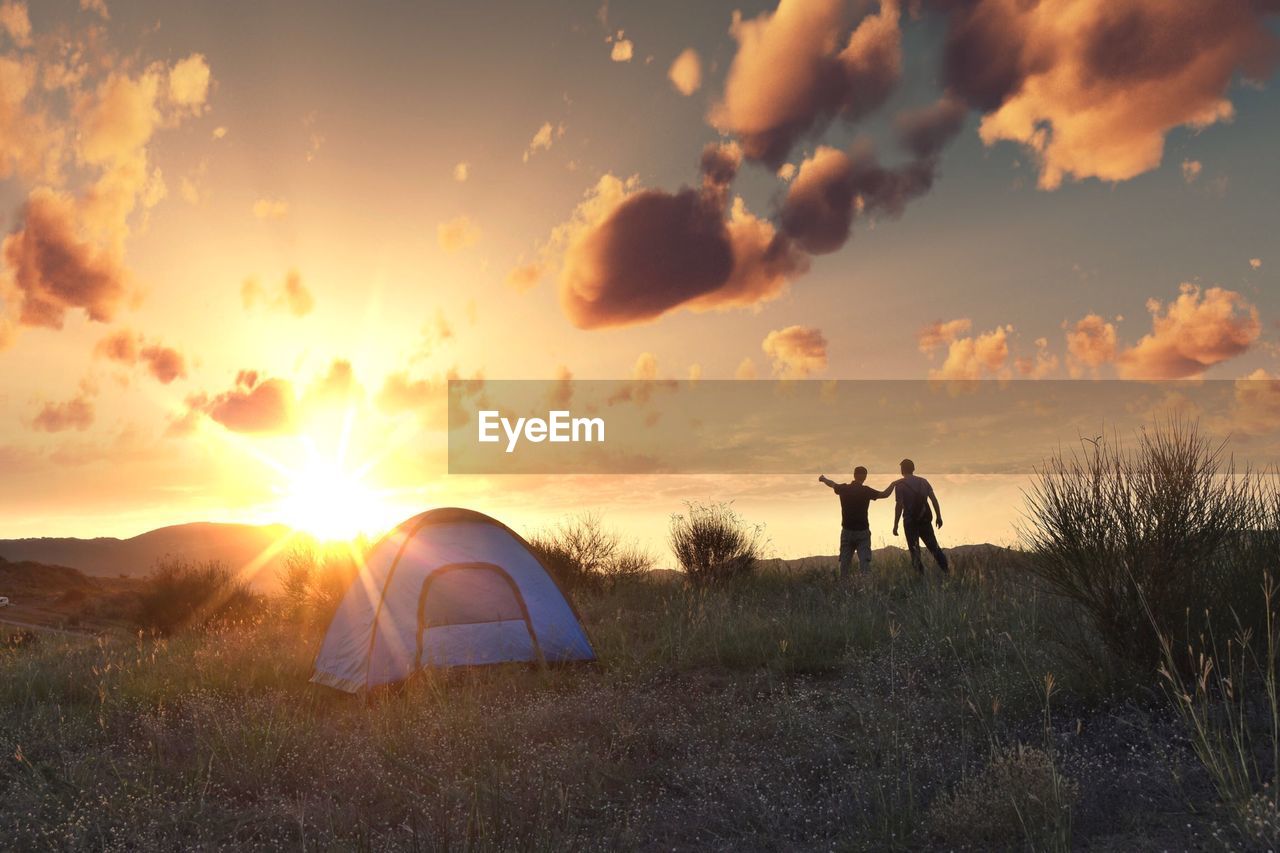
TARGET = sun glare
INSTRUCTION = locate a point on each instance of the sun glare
(331, 503)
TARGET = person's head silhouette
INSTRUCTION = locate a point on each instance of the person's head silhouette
(908, 467)
(859, 474)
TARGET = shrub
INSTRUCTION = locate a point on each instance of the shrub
(180, 594)
(1152, 540)
(313, 582)
(712, 543)
(1018, 800)
(580, 551)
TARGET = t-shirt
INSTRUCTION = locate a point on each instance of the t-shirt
(854, 500)
(913, 494)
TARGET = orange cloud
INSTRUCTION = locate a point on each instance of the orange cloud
(939, 334)
(622, 49)
(986, 354)
(400, 394)
(15, 21)
(1042, 366)
(31, 142)
(189, 82)
(75, 413)
(796, 351)
(98, 7)
(55, 269)
(270, 208)
(1256, 405)
(1092, 87)
(646, 367)
(1091, 343)
(543, 138)
(525, 276)
(337, 387)
(1191, 334)
(457, 234)
(85, 106)
(686, 72)
(254, 405)
(164, 363)
(293, 296)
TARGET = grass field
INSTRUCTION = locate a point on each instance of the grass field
(787, 711)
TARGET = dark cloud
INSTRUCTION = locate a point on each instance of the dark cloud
(647, 252)
(55, 270)
(654, 252)
(833, 186)
(720, 163)
(926, 131)
(801, 66)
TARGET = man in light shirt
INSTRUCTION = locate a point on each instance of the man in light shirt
(914, 494)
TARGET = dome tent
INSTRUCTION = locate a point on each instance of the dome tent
(449, 587)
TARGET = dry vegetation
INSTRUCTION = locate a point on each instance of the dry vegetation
(773, 710)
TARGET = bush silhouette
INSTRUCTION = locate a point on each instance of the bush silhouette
(179, 594)
(712, 543)
(1161, 539)
(580, 551)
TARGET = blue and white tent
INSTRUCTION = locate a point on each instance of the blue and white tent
(449, 587)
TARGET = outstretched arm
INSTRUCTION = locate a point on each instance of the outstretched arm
(888, 490)
(822, 478)
(937, 510)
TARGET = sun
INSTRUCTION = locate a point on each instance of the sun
(330, 502)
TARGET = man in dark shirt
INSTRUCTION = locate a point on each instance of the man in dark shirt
(855, 529)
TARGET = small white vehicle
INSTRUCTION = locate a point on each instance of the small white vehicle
(4, 601)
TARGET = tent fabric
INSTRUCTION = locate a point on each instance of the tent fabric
(449, 587)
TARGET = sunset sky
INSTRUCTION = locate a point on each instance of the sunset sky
(247, 244)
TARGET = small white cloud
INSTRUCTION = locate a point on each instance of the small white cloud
(457, 234)
(270, 208)
(461, 171)
(622, 49)
(542, 140)
(686, 72)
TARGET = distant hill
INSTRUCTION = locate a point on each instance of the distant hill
(983, 551)
(235, 545)
(26, 577)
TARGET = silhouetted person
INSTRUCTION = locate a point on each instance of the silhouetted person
(914, 494)
(855, 529)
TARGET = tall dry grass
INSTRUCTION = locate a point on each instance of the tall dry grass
(1153, 539)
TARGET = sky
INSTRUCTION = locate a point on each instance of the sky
(246, 245)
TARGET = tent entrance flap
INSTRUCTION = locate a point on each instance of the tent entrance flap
(473, 594)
